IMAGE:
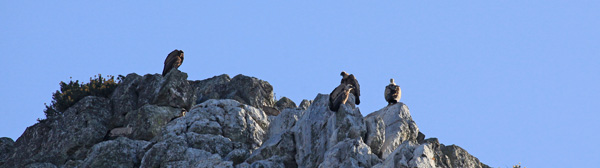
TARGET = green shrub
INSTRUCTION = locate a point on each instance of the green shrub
(70, 93)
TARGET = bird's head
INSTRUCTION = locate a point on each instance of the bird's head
(392, 81)
(344, 74)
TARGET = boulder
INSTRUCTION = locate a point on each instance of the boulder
(211, 88)
(124, 99)
(284, 103)
(175, 152)
(121, 152)
(244, 89)
(389, 127)
(147, 121)
(174, 91)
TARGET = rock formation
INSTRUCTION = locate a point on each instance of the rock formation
(143, 124)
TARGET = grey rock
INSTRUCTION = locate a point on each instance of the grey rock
(311, 133)
(244, 89)
(284, 103)
(398, 125)
(124, 99)
(271, 111)
(152, 123)
(147, 121)
(305, 104)
(175, 91)
(135, 91)
(251, 91)
(211, 88)
(441, 160)
(40, 165)
(375, 133)
(226, 129)
(174, 152)
(210, 143)
(67, 137)
(420, 137)
(350, 153)
(120, 132)
(320, 131)
(284, 121)
(6, 148)
(171, 90)
(348, 123)
(459, 157)
(430, 154)
(410, 154)
(278, 151)
(240, 123)
(72, 164)
(121, 152)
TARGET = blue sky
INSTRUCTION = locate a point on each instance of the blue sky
(509, 81)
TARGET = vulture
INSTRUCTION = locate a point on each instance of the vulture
(174, 60)
(339, 96)
(349, 79)
(392, 93)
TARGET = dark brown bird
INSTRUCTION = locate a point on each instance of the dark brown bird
(351, 80)
(392, 93)
(339, 96)
(174, 60)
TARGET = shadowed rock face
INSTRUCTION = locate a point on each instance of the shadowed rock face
(69, 137)
(284, 103)
(6, 147)
(221, 122)
(244, 89)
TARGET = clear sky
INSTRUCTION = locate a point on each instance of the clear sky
(509, 81)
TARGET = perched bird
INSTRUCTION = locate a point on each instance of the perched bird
(351, 80)
(392, 93)
(339, 96)
(174, 60)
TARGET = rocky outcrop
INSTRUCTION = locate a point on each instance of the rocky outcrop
(284, 103)
(246, 90)
(121, 152)
(458, 157)
(305, 104)
(6, 147)
(68, 137)
(156, 121)
(147, 121)
(389, 127)
(134, 91)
